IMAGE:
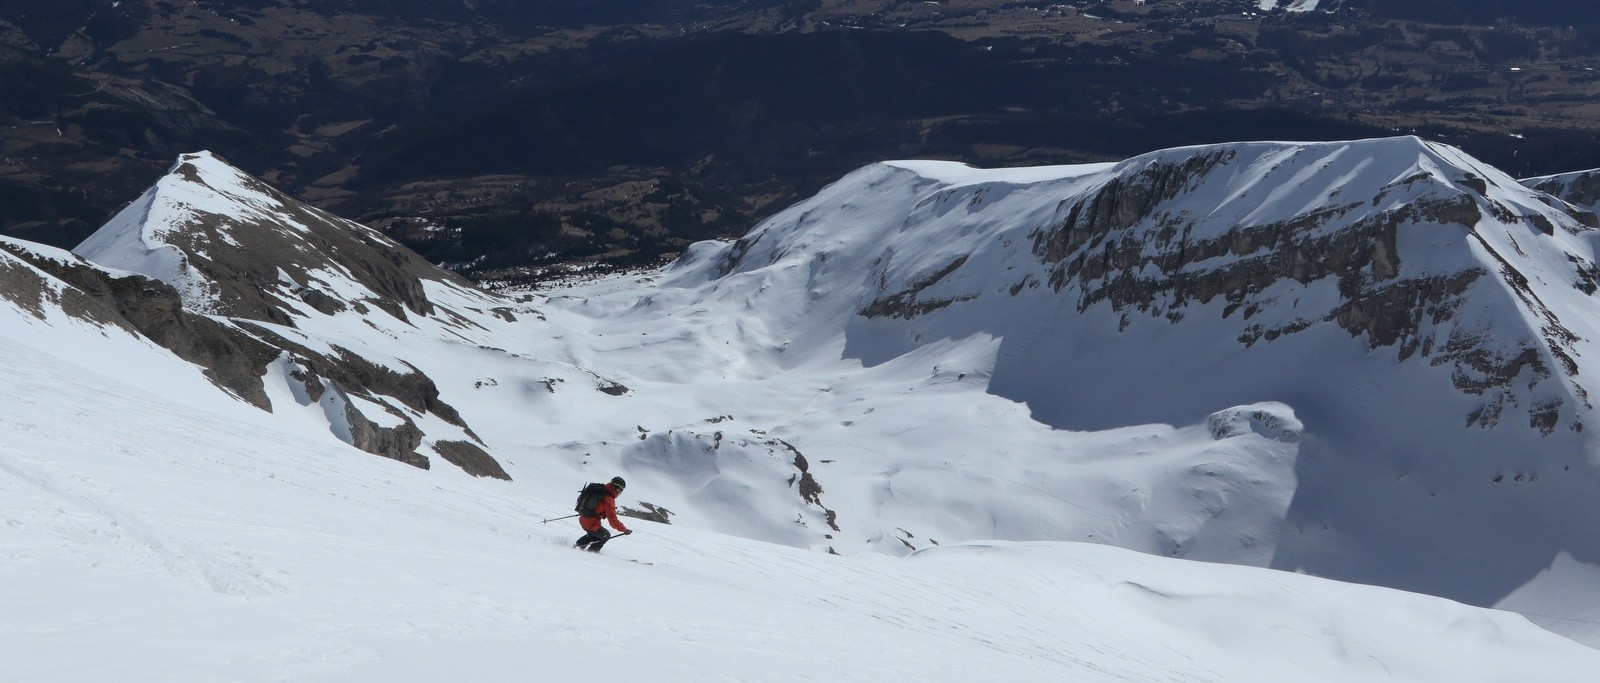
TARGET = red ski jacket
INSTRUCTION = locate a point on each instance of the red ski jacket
(607, 509)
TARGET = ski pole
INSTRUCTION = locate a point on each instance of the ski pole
(557, 519)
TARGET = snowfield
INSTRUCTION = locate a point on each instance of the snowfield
(147, 540)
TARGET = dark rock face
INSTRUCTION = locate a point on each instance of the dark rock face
(612, 388)
(650, 513)
(906, 304)
(1094, 249)
(21, 285)
(469, 457)
(354, 375)
(397, 443)
(810, 491)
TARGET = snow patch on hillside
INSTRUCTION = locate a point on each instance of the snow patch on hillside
(1289, 6)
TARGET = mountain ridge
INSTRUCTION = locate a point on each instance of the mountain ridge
(1171, 286)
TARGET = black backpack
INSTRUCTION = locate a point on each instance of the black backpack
(588, 498)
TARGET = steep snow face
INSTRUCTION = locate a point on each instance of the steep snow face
(233, 245)
(1425, 317)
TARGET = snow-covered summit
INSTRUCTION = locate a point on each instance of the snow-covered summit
(315, 318)
(233, 245)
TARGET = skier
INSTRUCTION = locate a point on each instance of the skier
(600, 501)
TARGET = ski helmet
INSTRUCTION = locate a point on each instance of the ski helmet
(619, 483)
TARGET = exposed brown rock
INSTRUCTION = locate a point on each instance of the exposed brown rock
(396, 443)
(906, 303)
(233, 360)
(22, 286)
(810, 490)
(650, 513)
(470, 458)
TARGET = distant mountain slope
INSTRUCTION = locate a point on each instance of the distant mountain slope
(1548, 12)
(1580, 188)
(1425, 316)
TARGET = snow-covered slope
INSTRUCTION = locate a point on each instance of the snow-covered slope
(734, 440)
(246, 552)
(1364, 360)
